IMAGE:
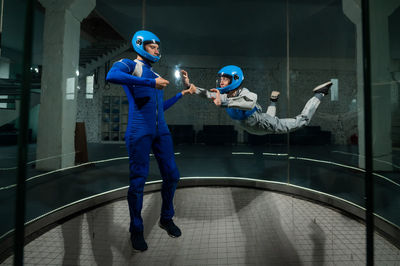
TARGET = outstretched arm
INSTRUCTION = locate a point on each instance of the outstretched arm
(208, 94)
(195, 90)
(171, 101)
(246, 101)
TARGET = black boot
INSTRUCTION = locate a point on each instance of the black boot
(323, 88)
(169, 226)
(137, 240)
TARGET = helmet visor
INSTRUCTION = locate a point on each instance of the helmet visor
(152, 47)
(223, 80)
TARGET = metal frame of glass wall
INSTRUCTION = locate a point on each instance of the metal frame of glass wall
(23, 137)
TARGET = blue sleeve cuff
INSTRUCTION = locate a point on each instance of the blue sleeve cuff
(152, 83)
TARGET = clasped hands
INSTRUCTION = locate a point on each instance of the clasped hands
(161, 83)
(192, 88)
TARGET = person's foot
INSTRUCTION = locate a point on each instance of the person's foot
(138, 242)
(169, 226)
(323, 88)
(274, 96)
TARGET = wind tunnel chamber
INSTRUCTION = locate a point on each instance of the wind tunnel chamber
(272, 199)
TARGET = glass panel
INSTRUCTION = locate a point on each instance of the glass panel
(385, 78)
(66, 128)
(324, 154)
(11, 60)
(68, 151)
(202, 47)
(79, 121)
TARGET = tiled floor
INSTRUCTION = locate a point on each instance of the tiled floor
(221, 226)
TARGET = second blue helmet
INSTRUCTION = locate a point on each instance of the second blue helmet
(140, 39)
(234, 73)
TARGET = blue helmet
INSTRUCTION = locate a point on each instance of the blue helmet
(140, 39)
(234, 73)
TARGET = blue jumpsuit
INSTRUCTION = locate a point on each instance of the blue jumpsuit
(146, 130)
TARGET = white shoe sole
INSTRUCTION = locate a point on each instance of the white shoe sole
(322, 85)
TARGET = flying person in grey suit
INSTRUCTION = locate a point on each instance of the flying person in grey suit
(242, 106)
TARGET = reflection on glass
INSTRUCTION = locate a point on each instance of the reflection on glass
(89, 86)
(335, 90)
(324, 152)
(70, 89)
(11, 58)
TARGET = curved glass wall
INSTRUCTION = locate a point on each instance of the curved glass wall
(323, 157)
(78, 120)
(201, 40)
(12, 30)
(385, 83)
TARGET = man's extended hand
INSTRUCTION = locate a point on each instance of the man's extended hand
(161, 83)
(185, 78)
(191, 90)
(217, 98)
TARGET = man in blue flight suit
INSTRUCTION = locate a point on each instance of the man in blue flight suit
(147, 130)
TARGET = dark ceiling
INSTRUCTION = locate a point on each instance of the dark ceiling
(238, 28)
(256, 28)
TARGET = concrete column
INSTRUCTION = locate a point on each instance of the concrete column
(352, 9)
(380, 62)
(57, 115)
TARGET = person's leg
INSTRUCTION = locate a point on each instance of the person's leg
(260, 123)
(291, 124)
(139, 152)
(164, 153)
(312, 104)
(322, 90)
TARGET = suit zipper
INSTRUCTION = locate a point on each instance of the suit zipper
(156, 111)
